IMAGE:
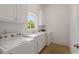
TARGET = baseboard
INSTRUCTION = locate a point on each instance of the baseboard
(60, 44)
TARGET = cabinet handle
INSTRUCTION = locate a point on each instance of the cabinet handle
(11, 53)
(76, 46)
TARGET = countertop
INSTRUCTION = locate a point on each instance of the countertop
(35, 34)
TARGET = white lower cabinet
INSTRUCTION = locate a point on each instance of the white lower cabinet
(40, 42)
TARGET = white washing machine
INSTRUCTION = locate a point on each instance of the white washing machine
(12, 44)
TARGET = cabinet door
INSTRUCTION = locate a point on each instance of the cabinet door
(8, 12)
(41, 42)
(21, 13)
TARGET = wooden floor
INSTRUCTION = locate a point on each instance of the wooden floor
(55, 49)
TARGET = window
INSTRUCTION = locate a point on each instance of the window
(32, 20)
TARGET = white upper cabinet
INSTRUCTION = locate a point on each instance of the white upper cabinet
(8, 12)
(17, 12)
(22, 13)
(13, 13)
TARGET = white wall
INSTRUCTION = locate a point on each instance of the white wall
(57, 21)
(11, 27)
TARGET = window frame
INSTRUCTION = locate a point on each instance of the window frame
(36, 21)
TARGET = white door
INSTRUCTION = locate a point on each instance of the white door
(22, 13)
(74, 29)
(8, 12)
